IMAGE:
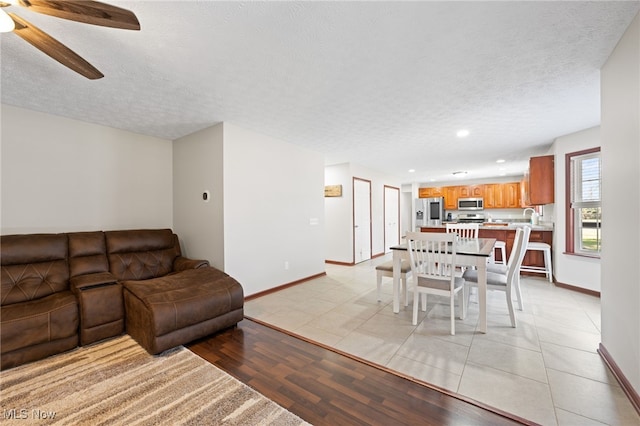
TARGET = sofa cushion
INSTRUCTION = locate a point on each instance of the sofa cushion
(33, 266)
(87, 253)
(141, 254)
(39, 321)
(179, 300)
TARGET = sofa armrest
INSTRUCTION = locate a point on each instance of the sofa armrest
(89, 281)
(101, 306)
(182, 264)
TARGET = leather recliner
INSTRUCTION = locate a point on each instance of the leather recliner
(39, 312)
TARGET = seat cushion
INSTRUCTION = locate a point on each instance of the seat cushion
(440, 284)
(471, 275)
(405, 266)
(39, 321)
(497, 268)
(189, 297)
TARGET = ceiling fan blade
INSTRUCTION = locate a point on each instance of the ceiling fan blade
(54, 48)
(87, 11)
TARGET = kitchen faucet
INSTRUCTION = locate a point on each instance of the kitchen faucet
(534, 215)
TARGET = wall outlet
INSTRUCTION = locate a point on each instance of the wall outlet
(286, 265)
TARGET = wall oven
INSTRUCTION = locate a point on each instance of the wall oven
(470, 204)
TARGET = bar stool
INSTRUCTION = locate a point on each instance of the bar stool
(547, 269)
(386, 270)
(502, 246)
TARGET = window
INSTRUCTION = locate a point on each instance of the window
(584, 214)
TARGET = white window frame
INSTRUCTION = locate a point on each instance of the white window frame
(583, 195)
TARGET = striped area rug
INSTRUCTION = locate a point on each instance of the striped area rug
(117, 382)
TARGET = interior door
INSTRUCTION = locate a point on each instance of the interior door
(391, 217)
(361, 220)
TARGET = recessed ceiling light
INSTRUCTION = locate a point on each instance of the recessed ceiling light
(463, 133)
(500, 161)
(412, 170)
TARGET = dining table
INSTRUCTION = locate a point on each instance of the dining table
(470, 252)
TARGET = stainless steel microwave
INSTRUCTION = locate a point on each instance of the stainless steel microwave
(470, 204)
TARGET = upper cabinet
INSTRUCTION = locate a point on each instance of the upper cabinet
(524, 191)
(430, 192)
(471, 191)
(536, 188)
(511, 195)
(496, 195)
(451, 197)
(493, 196)
(541, 180)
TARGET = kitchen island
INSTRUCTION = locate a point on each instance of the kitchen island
(506, 231)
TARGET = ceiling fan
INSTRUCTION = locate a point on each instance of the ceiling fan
(86, 11)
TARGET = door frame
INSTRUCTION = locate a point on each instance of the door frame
(384, 214)
(353, 213)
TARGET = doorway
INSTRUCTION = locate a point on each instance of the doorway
(361, 220)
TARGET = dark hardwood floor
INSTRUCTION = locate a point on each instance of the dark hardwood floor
(327, 388)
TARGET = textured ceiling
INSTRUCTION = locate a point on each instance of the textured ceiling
(382, 84)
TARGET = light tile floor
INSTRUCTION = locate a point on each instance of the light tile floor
(546, 370)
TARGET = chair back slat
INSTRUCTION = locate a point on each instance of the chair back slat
(431, 254)
(464, 230)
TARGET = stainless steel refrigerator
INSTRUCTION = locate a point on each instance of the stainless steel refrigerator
(429, 211)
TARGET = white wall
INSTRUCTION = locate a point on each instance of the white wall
(407, 207)
(198, 167)
(570, 269)
(61, 175)
(273, 192)
(339, 210)
(620, 131)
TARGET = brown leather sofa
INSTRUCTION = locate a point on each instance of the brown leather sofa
(64, 290)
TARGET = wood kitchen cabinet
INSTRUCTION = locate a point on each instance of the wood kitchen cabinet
(524, 191)
(451, 197)
(496, 195)
(476, 191)
(541, 180)
(493, 196)
(511, 195)
(471, 191)
(502, 195)
(430, 192)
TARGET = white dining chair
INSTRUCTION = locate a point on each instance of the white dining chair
(386, 270)
(507, 278)
(464, 230)
(432, 256)
(503, 269)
